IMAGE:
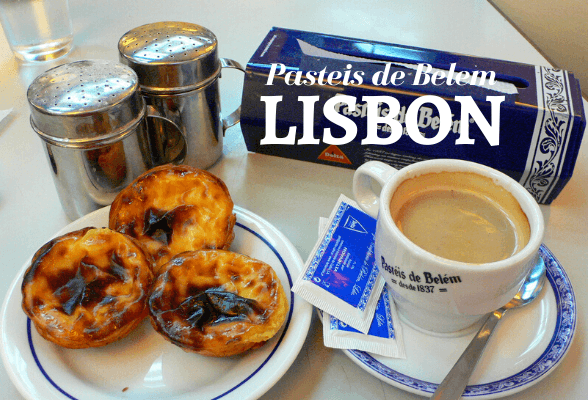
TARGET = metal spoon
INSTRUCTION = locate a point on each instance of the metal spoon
(457, 379)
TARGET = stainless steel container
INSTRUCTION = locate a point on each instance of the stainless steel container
(179, 70)
(91, 118)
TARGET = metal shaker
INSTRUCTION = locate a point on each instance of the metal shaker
(179, 70)
(90, 116)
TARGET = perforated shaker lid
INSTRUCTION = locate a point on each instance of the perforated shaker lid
(171, 56)
(85, 102)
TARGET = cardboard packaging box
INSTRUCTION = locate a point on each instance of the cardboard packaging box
(526, 121)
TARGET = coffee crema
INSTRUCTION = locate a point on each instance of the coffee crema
(460, 216)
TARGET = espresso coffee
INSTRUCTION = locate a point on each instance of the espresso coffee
(460, 216)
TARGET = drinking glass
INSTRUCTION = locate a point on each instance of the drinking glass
(37, 30)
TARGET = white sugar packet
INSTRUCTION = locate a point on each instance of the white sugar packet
(340, 276)
(383, 338)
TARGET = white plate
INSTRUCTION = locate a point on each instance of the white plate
(144, 365)
(527, 345)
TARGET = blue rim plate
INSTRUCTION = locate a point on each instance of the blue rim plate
(143, 365)
(527, 345)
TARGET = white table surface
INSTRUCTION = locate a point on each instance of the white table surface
(290, 194)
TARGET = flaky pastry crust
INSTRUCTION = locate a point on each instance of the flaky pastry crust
(217, 303)
(175, 208)
(87, 288)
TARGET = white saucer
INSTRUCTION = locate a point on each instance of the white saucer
(144, 365)
(527, 345)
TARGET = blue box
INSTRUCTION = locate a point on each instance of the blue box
(541, 120)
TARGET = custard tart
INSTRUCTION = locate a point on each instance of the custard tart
(175, 208)
(87, 288)
(217, 303)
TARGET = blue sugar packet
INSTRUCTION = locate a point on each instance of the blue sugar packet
(341, 276)
(383, 338)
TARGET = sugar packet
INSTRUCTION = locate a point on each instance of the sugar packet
(383, 338)
(340, 276)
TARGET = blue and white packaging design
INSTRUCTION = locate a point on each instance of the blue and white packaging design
(341, 276)
(541, 119)
(384, 337)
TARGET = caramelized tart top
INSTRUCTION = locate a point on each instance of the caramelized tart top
(175, 208)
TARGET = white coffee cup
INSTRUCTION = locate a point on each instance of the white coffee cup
(432, 292)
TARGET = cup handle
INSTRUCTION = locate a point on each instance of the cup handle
(166, 140)
(235, 116)
(364, 194)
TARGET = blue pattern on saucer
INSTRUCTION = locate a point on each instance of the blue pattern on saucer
(557, 348)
